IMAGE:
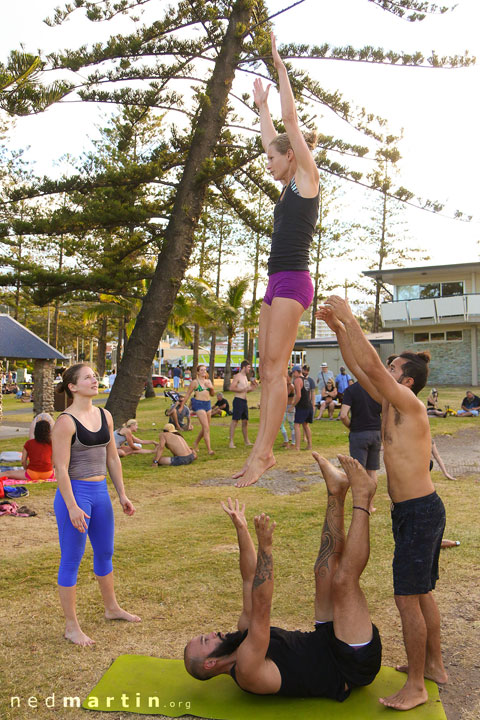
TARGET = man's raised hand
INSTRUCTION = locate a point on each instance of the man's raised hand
(236, 513)
(325, 313)
(264, 530)
(339, 307)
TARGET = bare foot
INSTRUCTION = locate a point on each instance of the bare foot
(211, 452)
(335, 480)
(450, 543)
(232, 447)
(255, 471)
(242, 472)
(406, 698)
(363, 487)
(248, 444)
(76, 636)
(437, 674)
(120, 614)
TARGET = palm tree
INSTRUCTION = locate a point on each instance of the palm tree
(231, 315)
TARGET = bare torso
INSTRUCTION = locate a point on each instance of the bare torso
(177, 445)
(240, 387)
(407, 449)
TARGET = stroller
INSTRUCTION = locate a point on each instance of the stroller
(174, 397)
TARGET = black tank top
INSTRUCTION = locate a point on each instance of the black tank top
(294, 221)
(304, 403)
(306, 664)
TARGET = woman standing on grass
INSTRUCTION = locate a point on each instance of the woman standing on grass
(290, 289)
(202, 389)
(83, 448)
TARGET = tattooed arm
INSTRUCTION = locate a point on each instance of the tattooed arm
(254, 671)
(248, 557)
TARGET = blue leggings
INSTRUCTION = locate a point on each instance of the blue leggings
(92, 496)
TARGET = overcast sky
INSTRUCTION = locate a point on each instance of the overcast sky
(436, 109)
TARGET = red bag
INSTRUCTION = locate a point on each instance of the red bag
(2, 492)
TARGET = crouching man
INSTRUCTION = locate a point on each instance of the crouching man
(174, 441)
(344, 651)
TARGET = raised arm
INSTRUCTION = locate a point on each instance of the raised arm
(326, 314)
(248, 557)
(253, 671)
(368, 360)
(260, 98)
(307, 172)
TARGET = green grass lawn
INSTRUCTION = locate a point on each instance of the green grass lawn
(176, 564)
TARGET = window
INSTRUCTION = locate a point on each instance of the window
(429, 290)
(448, 336)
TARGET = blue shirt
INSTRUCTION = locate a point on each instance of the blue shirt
(341, 381)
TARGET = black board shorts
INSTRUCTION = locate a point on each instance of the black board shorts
(182, 459)
(417, 526)
(240, 409)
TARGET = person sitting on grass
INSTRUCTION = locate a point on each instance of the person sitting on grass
(344, 651)
(221, 407)
(36, 456)
(470, 405)
(432, 405)
(329, 394)
(175, 442)
(179, 415)
(127, 443)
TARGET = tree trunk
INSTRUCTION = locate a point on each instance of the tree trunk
(228, 366)
(179, 233)
(149, 389)
(102, 346)
(376, 314)
(211, 366)
(196, 345)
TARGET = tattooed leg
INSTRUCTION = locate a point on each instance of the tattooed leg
(333, 538)
(351, 619)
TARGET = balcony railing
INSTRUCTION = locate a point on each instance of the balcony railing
(431, 311)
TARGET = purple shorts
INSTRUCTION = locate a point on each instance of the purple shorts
(294, 284)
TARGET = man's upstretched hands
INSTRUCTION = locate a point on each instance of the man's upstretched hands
(264, 531)
(236, 513)
(339, 308)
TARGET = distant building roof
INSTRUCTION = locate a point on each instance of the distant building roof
(17, 342)
(379, 338)
(390, 275)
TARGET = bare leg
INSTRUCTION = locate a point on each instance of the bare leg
(73, 631)
(281, 333)
(414, 629)
(233, 426)
(321, 410)
(332, 540)
(434, 667)
(15, 474)
(298, 436)
(351, 619)
(308, 435)
(204, 420)
(245, 433)
(113, 611)
(373, 475)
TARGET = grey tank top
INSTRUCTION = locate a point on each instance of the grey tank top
(88, 454)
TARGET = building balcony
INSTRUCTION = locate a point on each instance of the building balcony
(431, 311)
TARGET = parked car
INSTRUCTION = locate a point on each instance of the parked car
(160, 381)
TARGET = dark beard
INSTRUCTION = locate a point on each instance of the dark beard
(229, 644)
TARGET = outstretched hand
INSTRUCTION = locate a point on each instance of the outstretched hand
(325, 313)
(260, 94)
(339, 307)
(235, 512)
(264, 530)
(277, 60)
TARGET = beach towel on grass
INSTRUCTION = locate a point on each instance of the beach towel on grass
(153, 686)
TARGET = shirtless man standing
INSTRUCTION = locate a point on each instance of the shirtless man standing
(241, 385)
(344, 650)
(175, 442)
(418, 514)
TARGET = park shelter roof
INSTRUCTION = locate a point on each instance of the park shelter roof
(17, 342)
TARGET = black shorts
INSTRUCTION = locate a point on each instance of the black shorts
(303, 415)
(357, 666)
(182, 459)
(418, 526)
(365, 447)
(240, 409)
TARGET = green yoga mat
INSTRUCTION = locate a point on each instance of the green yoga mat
(153, 686)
